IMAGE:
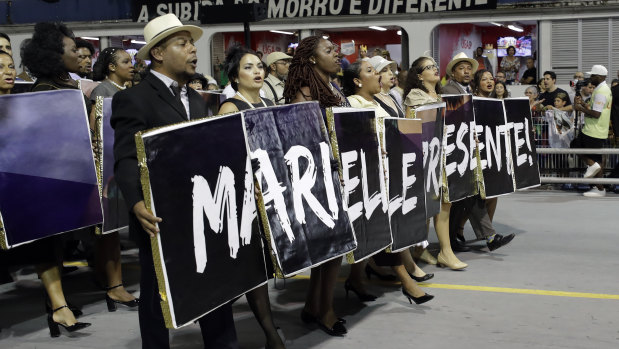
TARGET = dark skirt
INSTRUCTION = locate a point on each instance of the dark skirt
(384, 259)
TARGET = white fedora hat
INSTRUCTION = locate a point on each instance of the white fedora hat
(162, 27)
(461, 57)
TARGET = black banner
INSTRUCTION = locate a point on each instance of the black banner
(302, 199)
(365, 191)
(407, 209)
(144, 10)
(460, 159)
(493, 147)
(524, 156)
(201, 185)
(432, 134)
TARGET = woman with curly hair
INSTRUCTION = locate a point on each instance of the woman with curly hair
(423, 87)
(50, 56)
(313, 63)
(309, 77)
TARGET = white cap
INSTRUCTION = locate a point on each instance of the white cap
(379, 63)
(598, 70)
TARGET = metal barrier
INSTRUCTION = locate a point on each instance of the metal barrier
(561, 165)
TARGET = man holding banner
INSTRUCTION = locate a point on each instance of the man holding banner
(161, 99)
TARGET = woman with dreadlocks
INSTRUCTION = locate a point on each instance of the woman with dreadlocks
(309, 79)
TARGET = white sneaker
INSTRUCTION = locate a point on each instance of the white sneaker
(595, 193)
(592, 170)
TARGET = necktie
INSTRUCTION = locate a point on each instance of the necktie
(177, 93)
(468, 90)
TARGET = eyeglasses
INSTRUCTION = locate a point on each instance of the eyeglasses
(428, 67)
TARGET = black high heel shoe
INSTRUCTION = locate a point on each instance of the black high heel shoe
(363, 297)
(111, 303)
(418, 300)
(77, 312)
(422, 278)
(54, 327)
(308, 318)
(384, 277)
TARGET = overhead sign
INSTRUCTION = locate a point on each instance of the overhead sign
(144, 10)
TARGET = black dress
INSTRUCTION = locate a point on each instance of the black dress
(242, 105)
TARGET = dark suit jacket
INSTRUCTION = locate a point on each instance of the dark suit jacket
(452, 88)
(149, 104)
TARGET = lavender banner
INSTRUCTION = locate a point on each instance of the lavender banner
(115, 210)
(48, 183)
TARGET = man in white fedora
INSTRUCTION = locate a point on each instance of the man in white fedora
(597, 121)
(278, 65)
(162, 98)
(461, 69)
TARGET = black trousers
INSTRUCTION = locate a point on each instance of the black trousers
(217, 327)
(473, 208)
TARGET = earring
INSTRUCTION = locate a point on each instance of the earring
(313, 62)
(360, 85)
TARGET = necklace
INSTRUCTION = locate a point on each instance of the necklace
(117, 85)
(384, 93)
(248, 102)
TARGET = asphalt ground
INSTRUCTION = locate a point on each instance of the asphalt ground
(556, 285)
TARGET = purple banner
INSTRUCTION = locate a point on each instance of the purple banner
(115, 211)
(48, 183)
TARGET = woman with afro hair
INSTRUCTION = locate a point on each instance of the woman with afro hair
(50, 56)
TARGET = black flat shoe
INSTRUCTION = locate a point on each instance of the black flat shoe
(499, 241)
(111, 303)
(363, 297)
(384, 277)
(458, 247)
(461, 238)
(54, 327)
(337, 330)
(423, 278)
(418, 300)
